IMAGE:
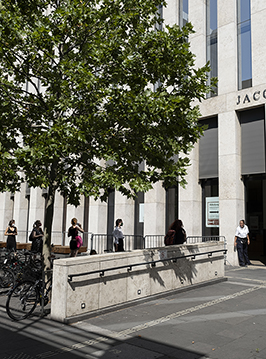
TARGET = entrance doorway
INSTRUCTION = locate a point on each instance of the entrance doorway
(255, 197)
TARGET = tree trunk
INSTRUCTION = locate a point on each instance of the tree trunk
(49, 214)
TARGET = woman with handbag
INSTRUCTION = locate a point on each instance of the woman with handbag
(76, 241)
(241, 243)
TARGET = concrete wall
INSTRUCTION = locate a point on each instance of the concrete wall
(120, 286)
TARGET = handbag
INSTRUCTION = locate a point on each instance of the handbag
(169, 237)
(79, 241)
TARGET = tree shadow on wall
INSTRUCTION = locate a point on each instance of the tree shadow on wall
(184, 268)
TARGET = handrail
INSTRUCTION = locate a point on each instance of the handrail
(152, 263)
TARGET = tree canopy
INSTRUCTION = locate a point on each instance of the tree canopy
(85, 83)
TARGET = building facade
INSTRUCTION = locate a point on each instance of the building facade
(228, 163)
(227, 175)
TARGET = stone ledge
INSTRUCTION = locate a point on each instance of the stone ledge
(92, 292)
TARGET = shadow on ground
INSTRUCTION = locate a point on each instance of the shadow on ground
(39, 338)
(257, 260)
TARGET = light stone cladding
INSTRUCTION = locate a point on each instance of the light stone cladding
(224, 106)
(89, 292)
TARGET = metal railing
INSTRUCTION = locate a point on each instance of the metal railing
(200, 239)
(152, 263)
(103, 243)
(153, 240)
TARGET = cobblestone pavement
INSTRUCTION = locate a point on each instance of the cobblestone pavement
(218, 321)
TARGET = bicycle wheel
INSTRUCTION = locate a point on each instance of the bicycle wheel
(22, 300)
(7, 278)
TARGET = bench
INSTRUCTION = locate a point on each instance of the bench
(55, 249)
(66, 249)
(19, 245)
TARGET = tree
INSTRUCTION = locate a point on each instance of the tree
(89, 82)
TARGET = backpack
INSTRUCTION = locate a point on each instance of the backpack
(169, 237)
(31, 236)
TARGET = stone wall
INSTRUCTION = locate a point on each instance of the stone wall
(86, 294)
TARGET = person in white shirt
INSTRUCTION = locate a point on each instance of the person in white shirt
(241, 243)
(119, 236)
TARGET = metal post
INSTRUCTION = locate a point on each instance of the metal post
(92, 242)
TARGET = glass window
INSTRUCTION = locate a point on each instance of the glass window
(159, 26)
(208, 149)
(171, 205)
(252, 141)
(244, 45)
(244, 10)
(183, 12)
(211, 45)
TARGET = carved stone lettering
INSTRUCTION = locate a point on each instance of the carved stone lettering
(246, 98)
(256, 95)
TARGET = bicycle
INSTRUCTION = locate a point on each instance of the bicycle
(7, 277)
(25, 296)
(16, 267)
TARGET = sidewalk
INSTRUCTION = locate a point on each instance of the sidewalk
(223, 320)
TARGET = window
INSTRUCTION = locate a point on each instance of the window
(159, 26)
(208, 149)
(171, 205)
(211, 46)
(183, 12)
(252, 141)
(110, 218)
(138, 224)
(244, 44)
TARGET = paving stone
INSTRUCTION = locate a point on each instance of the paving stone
(127, 351)
(197, 324)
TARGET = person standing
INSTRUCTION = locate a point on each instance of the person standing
(119, 236)
(180, 233)
(37, 237)
(11, 233)
(241, 243)
(73, 233)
